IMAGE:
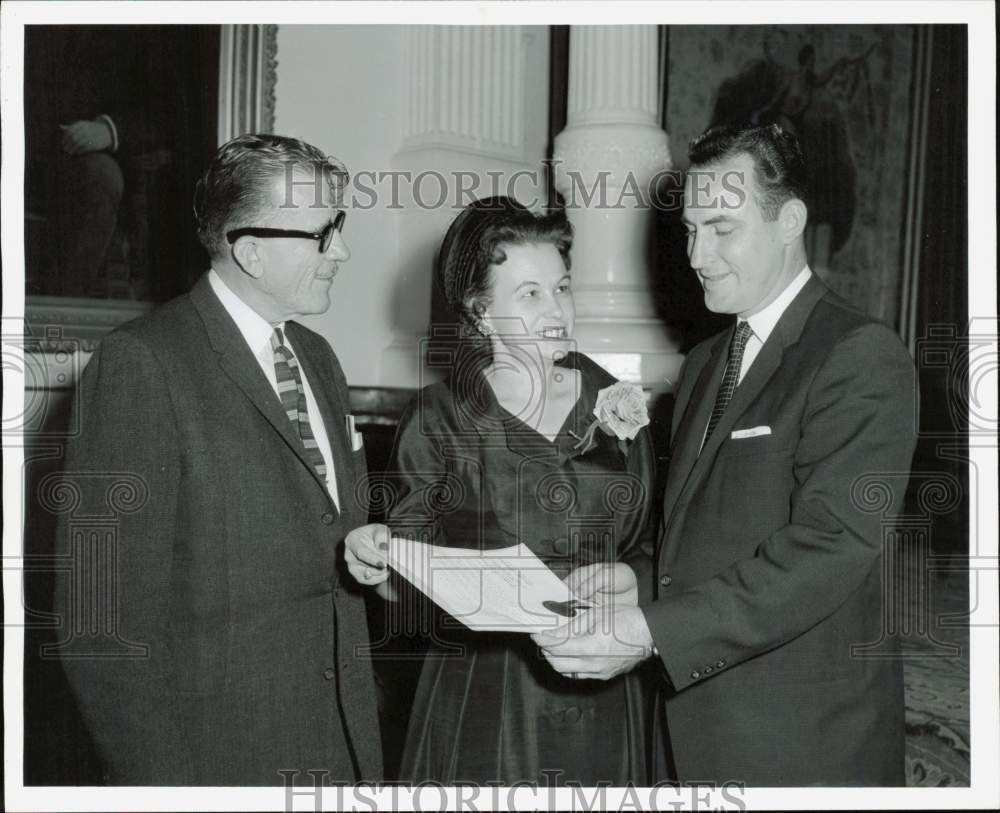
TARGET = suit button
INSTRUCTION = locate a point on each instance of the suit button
(665, 580)
(327, 518)
(329, 674)
(572, 714)
(720, 664)
(695, 675)
(707, 670)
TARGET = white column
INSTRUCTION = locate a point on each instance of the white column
(605, 158)
(476, 118)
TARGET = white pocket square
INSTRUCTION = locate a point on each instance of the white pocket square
(755, 432)
(357, 440)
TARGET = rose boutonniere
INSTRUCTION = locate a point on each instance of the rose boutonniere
(620, 410)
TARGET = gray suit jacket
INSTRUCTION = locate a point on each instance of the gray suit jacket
(237, 645)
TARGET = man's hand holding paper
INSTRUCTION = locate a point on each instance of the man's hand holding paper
(598, 645)
(605, 583)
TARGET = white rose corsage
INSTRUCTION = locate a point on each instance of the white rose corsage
(620, 411)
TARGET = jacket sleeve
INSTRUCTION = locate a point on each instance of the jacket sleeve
(125, 466)
(642, 558)
(418, 478)
(857, 420)
(641, 530)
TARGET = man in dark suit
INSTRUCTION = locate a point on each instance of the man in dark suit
(768, 568)
(237, 644)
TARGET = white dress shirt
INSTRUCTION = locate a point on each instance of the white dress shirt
(257, 332)
(762, 323)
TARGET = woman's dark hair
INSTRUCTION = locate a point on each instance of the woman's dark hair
(475, 241)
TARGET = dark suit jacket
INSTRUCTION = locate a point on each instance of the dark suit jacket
(227, 562)
(769, 563)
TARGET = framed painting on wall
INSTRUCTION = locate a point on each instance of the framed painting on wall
(119, 122)
(847, 92)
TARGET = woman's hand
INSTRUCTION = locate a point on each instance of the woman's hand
(82, 137)
(364, 552)
(605, 583)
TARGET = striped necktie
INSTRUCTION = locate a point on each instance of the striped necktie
(731, 376)
(293, 399)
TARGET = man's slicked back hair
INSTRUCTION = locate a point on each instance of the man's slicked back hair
(779, 166)
(237, 189)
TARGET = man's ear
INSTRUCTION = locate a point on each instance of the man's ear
(247, 253)
(792, 218)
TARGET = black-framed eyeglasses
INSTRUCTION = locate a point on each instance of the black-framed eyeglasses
(325, 236)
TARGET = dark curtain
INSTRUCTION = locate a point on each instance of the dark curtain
(942, 312)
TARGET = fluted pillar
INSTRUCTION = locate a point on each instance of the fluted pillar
(474, 128)
(605, 159)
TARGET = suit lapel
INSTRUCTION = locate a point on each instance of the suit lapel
(333, 407)
(786, 333)
(238, 363)
(694, 419)
(760, 372)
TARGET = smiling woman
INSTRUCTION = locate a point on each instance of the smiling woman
(493, 457)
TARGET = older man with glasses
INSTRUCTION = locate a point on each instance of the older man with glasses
(234, 420)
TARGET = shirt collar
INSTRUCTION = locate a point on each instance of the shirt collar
(255, 328)
(762, 323)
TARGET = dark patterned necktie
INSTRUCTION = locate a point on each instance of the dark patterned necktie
(293, 399)
(731, 376)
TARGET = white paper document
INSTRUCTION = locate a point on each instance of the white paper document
(508, 589)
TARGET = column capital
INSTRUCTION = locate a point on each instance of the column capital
(614, 156)
(604, 164)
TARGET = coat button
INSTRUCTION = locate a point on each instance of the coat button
(327, 518)
(572, 714)
(707, 670)
(695, 675)
(329, 674)
(665, 580)
(720, 664)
